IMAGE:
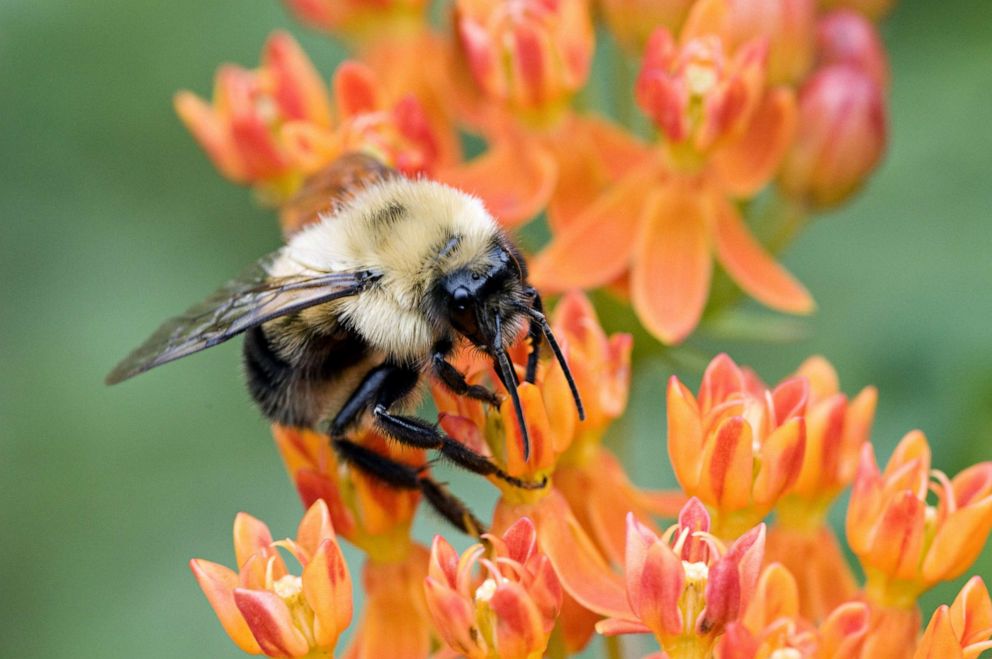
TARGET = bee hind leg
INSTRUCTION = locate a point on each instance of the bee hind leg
(406, 477)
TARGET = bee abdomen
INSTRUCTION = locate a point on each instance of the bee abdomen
(269, 379)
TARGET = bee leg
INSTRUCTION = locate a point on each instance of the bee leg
(416, 432)
(454, 379)
(360, 399)
(405, 477)
(535, 333)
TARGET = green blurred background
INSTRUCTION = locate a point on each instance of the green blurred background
(112, 220)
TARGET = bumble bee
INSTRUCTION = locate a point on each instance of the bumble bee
(344, 323)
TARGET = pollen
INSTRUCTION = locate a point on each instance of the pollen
(288, 587)
(786, 653)
(696, 572)
(487, 589)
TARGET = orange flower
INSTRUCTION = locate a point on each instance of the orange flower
(240, 131)
(529, 56)
(905, 544)
(841, 138)
(787, 26)
(963, 630)
(801, 539)
(773, 626)
(664, 219)
(737, 449)
(267, 610)
(509, 609)
(685, 587)
(360, 19)
(376, 518)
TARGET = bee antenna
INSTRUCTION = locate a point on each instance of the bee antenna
(509, 377)
(555, 348)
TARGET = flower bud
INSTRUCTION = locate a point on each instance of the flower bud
(846, 37)
(840, 139)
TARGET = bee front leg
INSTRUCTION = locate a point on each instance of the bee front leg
(405, 477)
(454, 380)
(415, 432)
(535, 334)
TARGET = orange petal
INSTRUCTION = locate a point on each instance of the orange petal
(514, 180)
(580, 568)
(685, 434)
(781, 459)
(271, 623)
(212, 133)
(746, 165)
(655, 579)
(299, 89)
(617, 626)
(596, 247)
(728, 464)
(753, 268)
(939, 640)
(218, 584)
(959, 541)
(844, 630)
(327, 588)
(519, 628)
(355, 88)
(315, 527)
(453, 615)
(971, 612)
(777, 597)
(670, 277)
(251, 536)
(897, 540)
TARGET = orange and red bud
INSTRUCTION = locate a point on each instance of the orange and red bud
(530, 56)
(508, 608)
(841, 136)
(267, 610)
(685, 586)
(739, 447)
(846, 37)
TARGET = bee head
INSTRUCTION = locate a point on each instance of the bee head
(482, 301)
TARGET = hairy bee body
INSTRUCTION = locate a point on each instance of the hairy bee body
(344, 323)
(301, 368)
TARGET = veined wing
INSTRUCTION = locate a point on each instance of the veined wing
(244, 302)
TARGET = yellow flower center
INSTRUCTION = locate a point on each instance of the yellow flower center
(786, 653)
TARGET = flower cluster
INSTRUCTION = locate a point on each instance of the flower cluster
(757, 107)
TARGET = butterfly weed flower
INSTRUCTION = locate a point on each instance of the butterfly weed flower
(738, 447)
(685, 586)
(905, 544)
(725, 132)
(266, 609)
(377, 519)
(500, 598)
(773, 626)
(800, 538)
(844, 36)
(361, 19)
(962, 630)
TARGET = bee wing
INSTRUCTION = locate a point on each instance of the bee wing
(242, 303)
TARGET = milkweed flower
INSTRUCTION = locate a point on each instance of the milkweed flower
(664, 220)
(376, 518)
(738, 447)
(773, 626)
(801, 539)
(962, 630)
(631, 22)
(685, 586)
(509, 609)
(267, 610)
(906, 545)
(240, 129)
(529, 56)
